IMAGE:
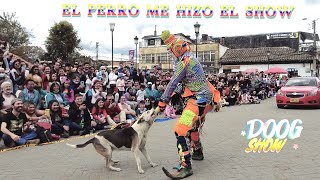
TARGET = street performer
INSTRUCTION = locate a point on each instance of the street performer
(198, 97)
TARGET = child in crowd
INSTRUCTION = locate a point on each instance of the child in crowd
(141, 108)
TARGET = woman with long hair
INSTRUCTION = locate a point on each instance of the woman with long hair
(56, 94)
(67, 91)
(35, 75)
(58, 126)
(101, 116)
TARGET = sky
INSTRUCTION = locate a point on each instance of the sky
(39, 15)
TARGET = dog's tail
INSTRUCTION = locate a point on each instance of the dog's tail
(81, 145)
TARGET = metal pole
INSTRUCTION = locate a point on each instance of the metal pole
(137, 56)
(112, 49)
(196, 45)
(97, 55)
(315, 48)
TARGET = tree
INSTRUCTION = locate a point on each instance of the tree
(29, 53)
(62, 41)
(12, 31)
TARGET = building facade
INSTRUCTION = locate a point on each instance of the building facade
(295, 62)
(153, 51)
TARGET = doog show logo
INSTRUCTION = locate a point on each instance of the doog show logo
(271, 136)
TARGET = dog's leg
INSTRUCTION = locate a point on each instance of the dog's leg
(146, 155)
(138, 160)
(109, 161)
(115, 161)
(106, 153)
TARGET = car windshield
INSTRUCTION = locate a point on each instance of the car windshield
(301, 82)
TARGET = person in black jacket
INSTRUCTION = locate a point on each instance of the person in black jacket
(80, 115)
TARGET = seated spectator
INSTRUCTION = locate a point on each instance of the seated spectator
(141, 93)
(80, 119)
(6, 97)
(121, 84)
(3, 76)
(77, 86)
(56, 94)
(113, 110)
(33, 114)
(59, 126)
(170, 112)
(29, 94)
(14, 126)
(116, 95)
(67, 91)
(141, 108)
(101, 116)
(148, 104)
(130, 114)
(97, 92)
(46, 77)
(130, 98)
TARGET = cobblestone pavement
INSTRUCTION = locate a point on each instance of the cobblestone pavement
(225, 157)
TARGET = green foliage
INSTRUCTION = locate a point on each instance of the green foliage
(62, 42)
(29, 53)
(12, 31)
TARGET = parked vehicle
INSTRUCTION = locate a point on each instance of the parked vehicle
(299, 91)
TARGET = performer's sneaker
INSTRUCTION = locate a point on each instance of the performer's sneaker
(180, 174)
(198, 155)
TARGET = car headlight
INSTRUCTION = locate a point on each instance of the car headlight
(312, 93)
(280, 93)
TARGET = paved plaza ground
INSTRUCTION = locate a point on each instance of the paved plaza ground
(224, 150)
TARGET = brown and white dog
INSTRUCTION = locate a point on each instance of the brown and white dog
(134, 138)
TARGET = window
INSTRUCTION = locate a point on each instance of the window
(143, 58)
(162, 42)
(151, 42)
(213, 55)
(148, 58)
(159, 60)
(152, 59)
(206, 56)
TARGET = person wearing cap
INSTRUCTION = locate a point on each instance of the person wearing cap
(198, 98)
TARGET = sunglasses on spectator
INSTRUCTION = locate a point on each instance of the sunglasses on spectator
(110, 99)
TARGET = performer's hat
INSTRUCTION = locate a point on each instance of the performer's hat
(177, 46)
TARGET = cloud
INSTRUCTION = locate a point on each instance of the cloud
(312, 1)
(91, 30)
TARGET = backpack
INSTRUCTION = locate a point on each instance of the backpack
(44, 135)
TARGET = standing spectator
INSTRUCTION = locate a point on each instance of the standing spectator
(46, 77)
(29, 94)
(13, 125)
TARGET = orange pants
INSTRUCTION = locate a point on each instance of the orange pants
(190, 115)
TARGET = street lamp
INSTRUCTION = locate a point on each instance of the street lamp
(196, 30)
(136, 42)
(112, 29)
(268, 56)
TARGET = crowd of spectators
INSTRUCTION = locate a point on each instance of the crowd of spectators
(42, 102)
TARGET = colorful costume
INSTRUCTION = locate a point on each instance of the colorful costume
(198, 95)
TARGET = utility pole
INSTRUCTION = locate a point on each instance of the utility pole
(315, 72)
(97, 53)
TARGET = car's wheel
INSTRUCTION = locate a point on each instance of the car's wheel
(280, 106)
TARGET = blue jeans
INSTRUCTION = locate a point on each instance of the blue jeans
(72, 125)
(23, 139)
(129, 116)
